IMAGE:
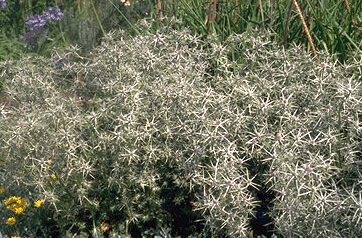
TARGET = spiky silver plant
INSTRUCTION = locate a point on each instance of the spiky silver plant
(166, 110)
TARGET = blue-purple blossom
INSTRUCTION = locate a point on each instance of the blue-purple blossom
(53, 14)
(36, 25)
(35, 22)
(32, 38)
(2, 3)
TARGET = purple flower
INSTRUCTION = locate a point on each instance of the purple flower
(53, 14)
(32, 38)
(36, 25)
(3, 3)
(35, 22)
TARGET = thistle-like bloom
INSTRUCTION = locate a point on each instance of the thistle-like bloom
(2, 3)
(2, 189)
(38, 203)
(10, 221)
(16, 204)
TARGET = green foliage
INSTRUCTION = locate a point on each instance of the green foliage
(142, 117)
(332, 27)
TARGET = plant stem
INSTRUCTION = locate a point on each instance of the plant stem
(120, 12)
(305, 26)
(98, 20)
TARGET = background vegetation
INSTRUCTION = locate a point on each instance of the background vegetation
(334, 26)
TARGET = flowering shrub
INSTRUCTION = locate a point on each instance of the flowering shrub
(109, 138)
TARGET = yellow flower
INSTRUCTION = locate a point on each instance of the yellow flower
(18, 210)
(53, 176)
(16, 204)
(15, 237)
(105, 227)
(49, 164)
(11, 200)
(2, 189)
(10, 221)
(38, 203)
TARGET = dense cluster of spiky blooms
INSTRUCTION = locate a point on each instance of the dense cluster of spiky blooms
(36, 25)
(167, 110)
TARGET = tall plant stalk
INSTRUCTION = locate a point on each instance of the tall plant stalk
(305, 27)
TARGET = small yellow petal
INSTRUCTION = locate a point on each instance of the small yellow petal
(18, 210)
(38, 203)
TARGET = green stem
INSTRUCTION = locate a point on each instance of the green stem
(127, 227)
(262, 12)
(120, 12)
(98, 20)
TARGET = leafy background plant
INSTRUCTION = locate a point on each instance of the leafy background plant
(334, 26)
